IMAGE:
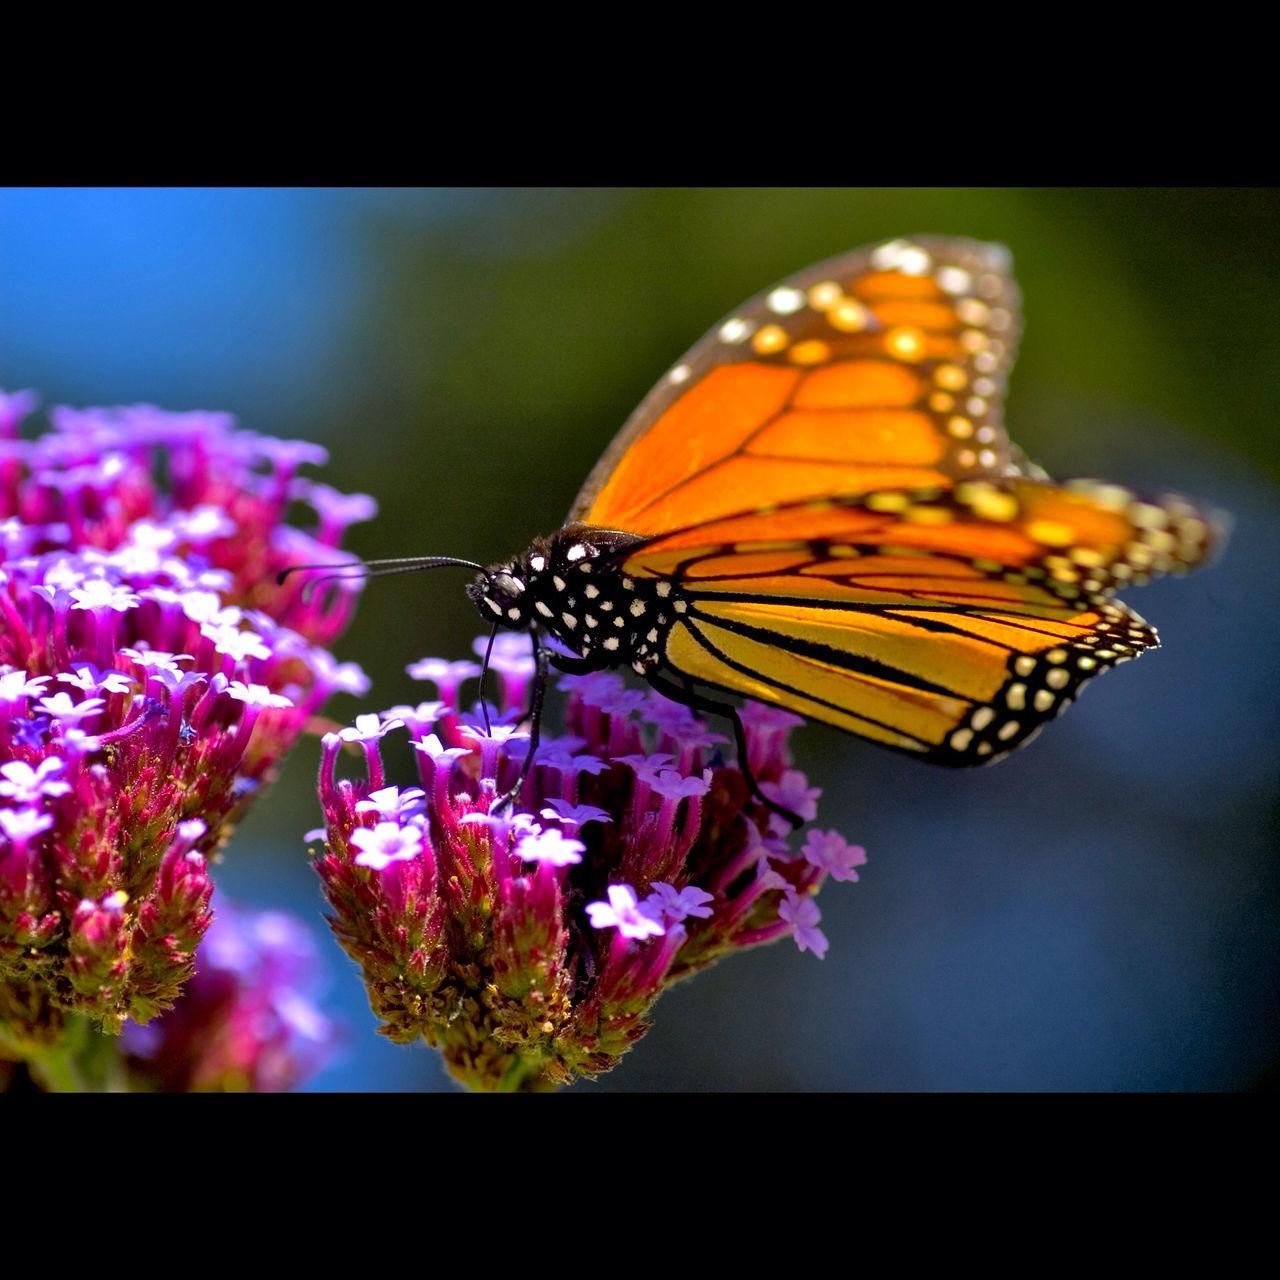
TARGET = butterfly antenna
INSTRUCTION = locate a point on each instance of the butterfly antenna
(364, 569)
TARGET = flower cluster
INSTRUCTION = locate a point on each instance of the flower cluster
(527, 942)
(152, 673)
(247, 1020)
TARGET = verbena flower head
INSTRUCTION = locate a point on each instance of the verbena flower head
(528, 944)
(152, 673)
(248, 1019)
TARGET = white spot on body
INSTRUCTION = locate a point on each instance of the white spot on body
(569, 620)
(543, 608)
(637, 608)
(576, 552)
(611, 642)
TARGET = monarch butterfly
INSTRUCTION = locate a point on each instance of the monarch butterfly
(818, 507)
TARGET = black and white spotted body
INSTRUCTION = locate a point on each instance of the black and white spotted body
(568, 586)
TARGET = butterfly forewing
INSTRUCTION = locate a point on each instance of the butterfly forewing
(882, 369)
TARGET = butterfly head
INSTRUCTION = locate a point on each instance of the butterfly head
(567, 585)
(501, 594)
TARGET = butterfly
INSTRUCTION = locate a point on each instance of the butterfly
(819, 508)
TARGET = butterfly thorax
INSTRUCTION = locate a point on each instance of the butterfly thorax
(572, 586)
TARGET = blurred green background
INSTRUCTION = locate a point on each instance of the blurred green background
(1099, 912)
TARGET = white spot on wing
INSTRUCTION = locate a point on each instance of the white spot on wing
(785, 301)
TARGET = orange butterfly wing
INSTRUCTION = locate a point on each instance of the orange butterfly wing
(946, 624)
(826, 489)
(884, 368)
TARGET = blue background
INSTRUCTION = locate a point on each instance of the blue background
(1099, 912)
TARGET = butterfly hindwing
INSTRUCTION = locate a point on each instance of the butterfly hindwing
(948, 624)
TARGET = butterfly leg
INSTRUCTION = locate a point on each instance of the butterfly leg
(686, 695)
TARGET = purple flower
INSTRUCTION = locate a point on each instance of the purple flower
(802, 915)
(152, 675)
(29, 786)
(557, 941)
(574, 815)
(248, 1020)
(384, 844)
(551, 847)
(829, 851)
(668, 903)
(622, 912)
